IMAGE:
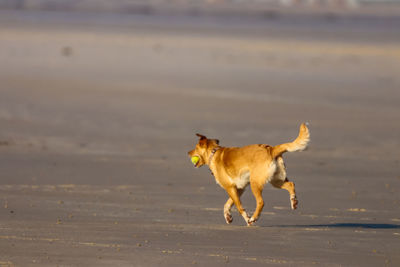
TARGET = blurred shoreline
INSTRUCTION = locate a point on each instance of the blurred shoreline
(267, 9)
(306, 26)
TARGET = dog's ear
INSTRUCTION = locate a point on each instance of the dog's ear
(202, 137)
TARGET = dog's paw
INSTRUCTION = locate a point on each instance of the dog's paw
(294, 202)
(228, 218)
(251, 221)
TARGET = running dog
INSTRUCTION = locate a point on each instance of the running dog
(236, 167)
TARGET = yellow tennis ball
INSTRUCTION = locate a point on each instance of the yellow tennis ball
(195, 159)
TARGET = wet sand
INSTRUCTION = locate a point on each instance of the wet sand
(97, 117)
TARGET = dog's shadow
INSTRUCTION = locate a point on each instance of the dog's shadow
(342, 225)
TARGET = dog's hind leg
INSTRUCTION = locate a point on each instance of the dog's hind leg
(257, 192)
(227, 207)
(280, 180)
(289, 186)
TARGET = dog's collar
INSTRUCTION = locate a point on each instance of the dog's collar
(215, 149)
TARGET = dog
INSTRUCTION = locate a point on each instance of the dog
(236, 167)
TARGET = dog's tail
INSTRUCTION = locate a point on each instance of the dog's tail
(299, 144)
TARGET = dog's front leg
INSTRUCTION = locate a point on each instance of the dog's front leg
(233, 192)
(227, 207)
(227, 211)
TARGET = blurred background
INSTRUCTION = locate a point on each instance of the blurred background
(124, 76)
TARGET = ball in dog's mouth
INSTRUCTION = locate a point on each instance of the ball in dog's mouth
(195, 160)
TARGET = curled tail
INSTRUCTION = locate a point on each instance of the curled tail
(300, 143)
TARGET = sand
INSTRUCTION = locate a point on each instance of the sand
(97, 114)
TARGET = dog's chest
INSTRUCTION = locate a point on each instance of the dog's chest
(242, 181)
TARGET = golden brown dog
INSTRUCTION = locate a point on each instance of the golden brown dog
(236, 167)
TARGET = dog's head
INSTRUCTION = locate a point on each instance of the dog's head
(199, 155)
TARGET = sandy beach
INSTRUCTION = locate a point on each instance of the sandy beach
(98, 112)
